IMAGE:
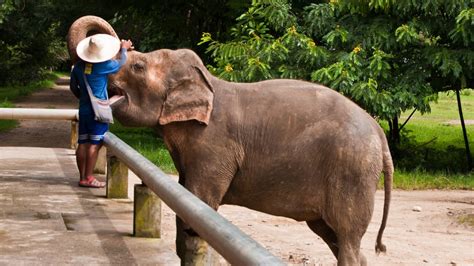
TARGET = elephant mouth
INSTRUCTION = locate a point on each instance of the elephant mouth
(116, 95)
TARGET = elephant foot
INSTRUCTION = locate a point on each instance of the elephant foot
(196, 252)
(193, 250)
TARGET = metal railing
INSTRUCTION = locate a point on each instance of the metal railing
(44, 114)
(234, 245)
(39, 114)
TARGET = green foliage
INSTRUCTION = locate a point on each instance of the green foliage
(174, 24)
(29, 43)
(6, 7)
(34, 32)
(255, 53)
(388, 56)
(464, 30)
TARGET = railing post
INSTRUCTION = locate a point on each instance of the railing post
(146, 212)
(73, 134)
(101, 164)
(117, 178)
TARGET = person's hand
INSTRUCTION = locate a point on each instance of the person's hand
(127, 44)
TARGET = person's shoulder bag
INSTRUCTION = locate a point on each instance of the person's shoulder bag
(102, 110)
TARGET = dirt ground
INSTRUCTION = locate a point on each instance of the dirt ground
(42, 133)
(424, 227)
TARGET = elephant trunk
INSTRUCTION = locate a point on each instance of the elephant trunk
(84, 27)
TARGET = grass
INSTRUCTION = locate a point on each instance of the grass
(7, 124)
(446, 108)
(435, 127)
(423, 179)
(145, 141)
(13, 92)
(9, 94)
(432, 154)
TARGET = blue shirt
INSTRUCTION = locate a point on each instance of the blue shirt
(97, 80)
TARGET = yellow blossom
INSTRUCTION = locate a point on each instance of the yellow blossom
(357, 49)
(292, 30)
(228, 68)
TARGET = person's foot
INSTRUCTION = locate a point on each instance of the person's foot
(91, 182)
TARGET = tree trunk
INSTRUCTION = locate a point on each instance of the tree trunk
(394, 134)
(466, 140)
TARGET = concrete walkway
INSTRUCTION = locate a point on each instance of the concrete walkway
(45, 218)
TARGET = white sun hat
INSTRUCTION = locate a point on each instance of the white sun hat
(98, 48)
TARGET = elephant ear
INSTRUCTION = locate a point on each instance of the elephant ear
(190, 98)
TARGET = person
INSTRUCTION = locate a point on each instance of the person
(95, 54)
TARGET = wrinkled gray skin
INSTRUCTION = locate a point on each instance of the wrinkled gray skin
(284, 147)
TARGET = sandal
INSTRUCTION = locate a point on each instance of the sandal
(91, 182)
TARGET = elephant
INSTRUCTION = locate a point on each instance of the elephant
(284, 147)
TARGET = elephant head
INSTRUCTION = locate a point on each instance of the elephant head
(160, 87)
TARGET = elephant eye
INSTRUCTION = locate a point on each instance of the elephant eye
(138, 67)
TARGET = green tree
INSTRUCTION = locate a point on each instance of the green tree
(388, 56)
(33, 33)
(29, 42)
(176, 23)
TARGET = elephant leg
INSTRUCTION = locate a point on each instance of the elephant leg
(350, 223)
(192, 249)
(350, 215)
(209, 186)
(180, 238)
(349, 232)
(326, 233)
(183, 232)
(349, 250)
(344, 249)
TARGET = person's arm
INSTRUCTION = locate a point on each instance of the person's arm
(115, 65)
(123, 57)
(124, 46)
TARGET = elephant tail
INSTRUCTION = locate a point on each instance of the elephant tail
(388, 179)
